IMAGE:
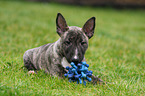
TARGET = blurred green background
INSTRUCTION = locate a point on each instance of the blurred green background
(116, 52)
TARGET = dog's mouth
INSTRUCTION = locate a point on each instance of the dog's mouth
(76, 61)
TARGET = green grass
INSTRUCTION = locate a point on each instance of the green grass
(116, 53)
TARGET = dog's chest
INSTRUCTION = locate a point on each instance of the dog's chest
(65, 63)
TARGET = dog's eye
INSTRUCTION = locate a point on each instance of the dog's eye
(67, 42)
(82, 43)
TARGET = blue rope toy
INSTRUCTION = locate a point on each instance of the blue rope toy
(79, 72)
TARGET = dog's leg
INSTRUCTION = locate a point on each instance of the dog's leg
(30, 67)
(28, 64)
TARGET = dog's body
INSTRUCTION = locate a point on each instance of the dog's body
(49, 57)
(71, 47)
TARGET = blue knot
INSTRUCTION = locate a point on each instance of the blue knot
(78, 72)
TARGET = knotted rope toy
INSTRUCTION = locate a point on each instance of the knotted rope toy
(78, 72)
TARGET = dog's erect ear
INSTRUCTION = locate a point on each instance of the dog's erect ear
(61, 24)
(89, 27)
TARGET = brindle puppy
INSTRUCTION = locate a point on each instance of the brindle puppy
(70, 47)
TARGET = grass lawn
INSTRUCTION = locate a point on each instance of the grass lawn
(116, 53)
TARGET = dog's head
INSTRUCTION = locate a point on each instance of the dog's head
(74, 39)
